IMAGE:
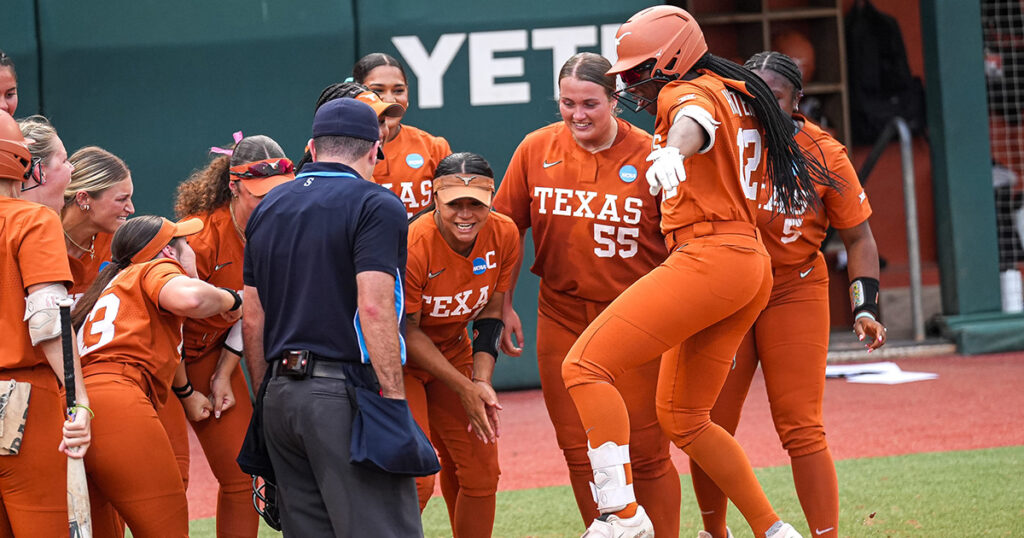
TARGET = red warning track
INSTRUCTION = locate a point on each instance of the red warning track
(976, 402)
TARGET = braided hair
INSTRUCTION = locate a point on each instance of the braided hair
(463, 162)
(779, 63)
(790, 169)
(337, 90)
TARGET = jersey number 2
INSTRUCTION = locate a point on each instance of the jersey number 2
(744, 138)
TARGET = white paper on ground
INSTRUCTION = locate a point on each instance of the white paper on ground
(882, 373)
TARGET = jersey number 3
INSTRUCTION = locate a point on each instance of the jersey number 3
(103, 328)
(748, 165)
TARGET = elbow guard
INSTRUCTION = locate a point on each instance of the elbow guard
(486, 334)
(43, 313)
(233, 342)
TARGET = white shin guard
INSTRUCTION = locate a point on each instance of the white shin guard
(611, 492)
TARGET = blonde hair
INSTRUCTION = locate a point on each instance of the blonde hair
(96, 170)
(41, 134)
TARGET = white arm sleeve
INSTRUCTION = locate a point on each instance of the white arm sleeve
(704, 119)
(43, 313)
(234, 339)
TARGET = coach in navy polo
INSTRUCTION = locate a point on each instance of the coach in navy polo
(324, 264)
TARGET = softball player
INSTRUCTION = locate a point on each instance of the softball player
(49, 179)
(222, 196)
(130, 324)
(575, 183)
(33, 467)
(461, 259)
(715, 124)
(96, 203)
(410, 154)
(8, 84)
(790, 337)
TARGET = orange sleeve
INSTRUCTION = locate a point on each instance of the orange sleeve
(42, 254)
(847, 206)
(684, 95)
(415, 271)
(441, 148)
(509, 242)
(157, 276)
(513, 197)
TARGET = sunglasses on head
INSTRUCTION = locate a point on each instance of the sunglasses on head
(35, 165)
(638, 74)
(265, 169)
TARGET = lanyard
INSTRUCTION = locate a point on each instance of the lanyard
(326, 174)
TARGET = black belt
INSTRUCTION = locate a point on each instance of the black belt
(303, 364)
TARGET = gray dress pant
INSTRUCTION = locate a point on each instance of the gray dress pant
(307, 424)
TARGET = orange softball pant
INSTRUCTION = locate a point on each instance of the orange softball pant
(790, 340)
(130, 464)
(561, 318)
(221, 440)
(469, 467)
(693, 309)
(33, 483)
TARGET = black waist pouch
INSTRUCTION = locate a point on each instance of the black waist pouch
(386, 438)
(253, 458)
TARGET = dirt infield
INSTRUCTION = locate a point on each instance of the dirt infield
(976, 402)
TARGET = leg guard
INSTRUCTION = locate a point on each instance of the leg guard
(611, 492)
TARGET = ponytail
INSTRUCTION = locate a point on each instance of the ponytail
(791, 170)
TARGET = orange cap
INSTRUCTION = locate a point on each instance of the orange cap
(455, 186)
(383, 110)
(168, 231)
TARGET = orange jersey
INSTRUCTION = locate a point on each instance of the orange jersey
(408, 166)
(724, 178)
(448, 289)
(219, 254)
(88, 267)
(127, 325)
(595, 224)
(32, 252)
(795, 239)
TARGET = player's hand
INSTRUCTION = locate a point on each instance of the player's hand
(513, 328)
(666, 171)
(76, 434)
(197, 406)
(481, 404)
(221, 396)
(232, 316)
(869, 331)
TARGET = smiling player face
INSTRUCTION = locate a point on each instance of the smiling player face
(587, 111)
(460, 221)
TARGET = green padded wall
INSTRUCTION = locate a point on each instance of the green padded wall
(18, 40)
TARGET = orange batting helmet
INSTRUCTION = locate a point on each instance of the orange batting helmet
(15, 159)
(664, 39)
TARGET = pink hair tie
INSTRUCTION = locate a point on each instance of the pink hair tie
(223, 151)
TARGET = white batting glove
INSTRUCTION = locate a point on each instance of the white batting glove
(666, 171)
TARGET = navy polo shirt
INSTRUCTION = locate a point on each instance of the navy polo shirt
(305, 243)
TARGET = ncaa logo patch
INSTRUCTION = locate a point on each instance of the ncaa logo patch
(414, 160)
(627, 173)
(479, 266)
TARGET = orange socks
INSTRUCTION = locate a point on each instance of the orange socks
(814, 476)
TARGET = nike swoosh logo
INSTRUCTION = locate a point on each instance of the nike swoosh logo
(805, 273)
(549, 165)
(819, 533)
(221, 266)
(432, 275)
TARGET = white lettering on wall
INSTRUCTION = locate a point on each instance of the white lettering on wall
(485, 68)
(563, 43)
(429, 68)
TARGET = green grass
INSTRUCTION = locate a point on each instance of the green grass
(944, 494)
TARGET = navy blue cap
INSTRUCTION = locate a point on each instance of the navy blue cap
(346, 117)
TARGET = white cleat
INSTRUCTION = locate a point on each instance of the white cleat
(706, 534)
(612, 526)
(782, 530)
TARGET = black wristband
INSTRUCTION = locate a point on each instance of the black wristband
(238, 299)
(864, 296)
(487, 335)
(183, 391)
